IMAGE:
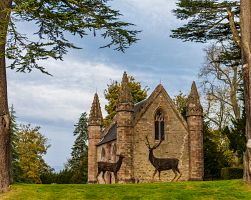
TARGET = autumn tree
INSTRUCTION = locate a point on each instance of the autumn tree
(79, 155)
(180, 102)
(112, 93)
(31, 148)
(53, 20)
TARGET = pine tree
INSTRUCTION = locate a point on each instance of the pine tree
(79, 155)
(15, 168)
(208, 20)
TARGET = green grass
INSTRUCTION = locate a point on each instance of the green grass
(229, 190)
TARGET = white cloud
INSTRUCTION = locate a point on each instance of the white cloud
(55, 103)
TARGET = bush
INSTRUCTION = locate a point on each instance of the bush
(231, 173)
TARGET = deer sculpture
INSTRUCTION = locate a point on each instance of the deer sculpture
(162, 164)
(109, 167)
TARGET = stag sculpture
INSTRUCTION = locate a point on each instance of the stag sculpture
(162, 164)
(109, 167)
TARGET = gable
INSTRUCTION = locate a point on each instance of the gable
(159, 91)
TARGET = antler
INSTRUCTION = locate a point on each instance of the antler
(147, 144)
(156, 145)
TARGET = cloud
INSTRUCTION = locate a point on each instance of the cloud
(55, 103)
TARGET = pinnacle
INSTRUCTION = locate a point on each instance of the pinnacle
(194, 91)
(125, 95)
(95, 117)
(193, 103)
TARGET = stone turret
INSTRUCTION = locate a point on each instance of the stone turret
(194, 115)
(94, 135)
(124, 115)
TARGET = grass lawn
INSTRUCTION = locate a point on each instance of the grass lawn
(232, 189)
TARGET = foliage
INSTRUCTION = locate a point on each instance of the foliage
(79, 155)
(112, 93)
(15, 168)
(236, 136)
(231, 173)
(31, 147)
(180, 101)
(62, 177)
(216, 155)
(199, 190)
(54, 21)
(206, 20)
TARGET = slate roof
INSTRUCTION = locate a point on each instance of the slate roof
(110, 136)
(138, 106)
(112, 132)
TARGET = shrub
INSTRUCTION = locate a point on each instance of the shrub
(231, 173)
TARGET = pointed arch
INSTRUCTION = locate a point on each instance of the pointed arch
(159, 125)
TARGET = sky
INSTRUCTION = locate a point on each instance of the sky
(56, 102)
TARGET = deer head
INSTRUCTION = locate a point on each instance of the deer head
(154, 146)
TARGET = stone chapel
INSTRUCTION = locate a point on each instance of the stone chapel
(157, 118)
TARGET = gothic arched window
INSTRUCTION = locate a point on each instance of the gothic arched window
(159, 125)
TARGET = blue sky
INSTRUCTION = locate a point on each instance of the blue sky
(55, 103)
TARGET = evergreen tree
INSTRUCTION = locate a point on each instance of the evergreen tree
(112, 93)
(236, 136)
(79, 155)
(216, 156)
(208, 20)
(15, 168)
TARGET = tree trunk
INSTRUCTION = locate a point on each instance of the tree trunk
(4, 112)
(246, 58)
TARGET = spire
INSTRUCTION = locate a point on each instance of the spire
(193, 103)
(95, 117)
(125, 100)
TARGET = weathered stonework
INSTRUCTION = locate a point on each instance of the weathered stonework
(194, 119)
(94, 136)
(127, 133)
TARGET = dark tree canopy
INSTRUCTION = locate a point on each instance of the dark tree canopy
(53, 21)
(77, 164)
(207, 20)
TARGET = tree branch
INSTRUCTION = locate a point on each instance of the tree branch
(235, 33)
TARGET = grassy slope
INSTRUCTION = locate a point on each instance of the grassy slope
(234, 189)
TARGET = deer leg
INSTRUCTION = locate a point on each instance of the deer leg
(103, 176)
(174, 171)
(179, 173)
(154, 174)
(159, 175)
(116, 177)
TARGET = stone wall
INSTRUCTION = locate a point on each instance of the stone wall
(175, 144)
